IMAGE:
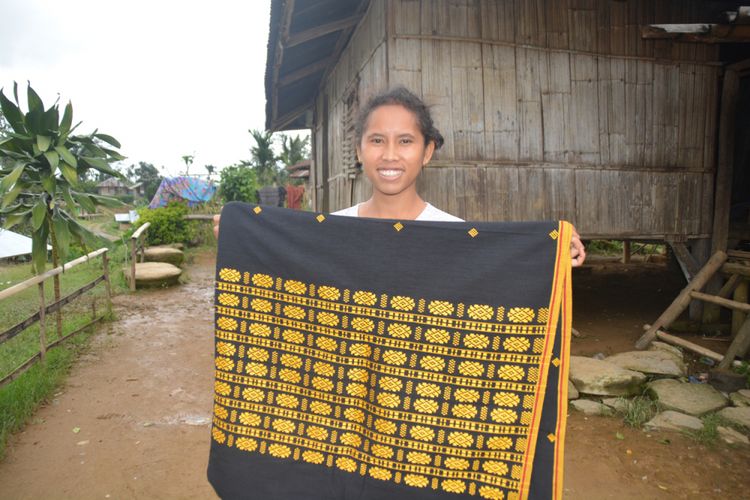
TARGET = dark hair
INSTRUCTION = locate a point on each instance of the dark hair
(402, 97)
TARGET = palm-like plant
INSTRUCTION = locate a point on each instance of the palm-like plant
(41, 168)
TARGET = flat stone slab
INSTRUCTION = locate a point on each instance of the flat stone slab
(739, 416)
(658, 362)
(741, 397)
(589, 407)
(617, 404)
(663, 346)
(693, 399)
(601, 378)
(731, 436)
(572, 391)
(673, 421)
(156, 274)
(164, 254)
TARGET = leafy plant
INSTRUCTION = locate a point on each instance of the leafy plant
(638, 411)
(237, 183)
(168, 224)
(42, 169)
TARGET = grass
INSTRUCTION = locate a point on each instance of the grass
(20, 398)
(638, 411)
(709, 434)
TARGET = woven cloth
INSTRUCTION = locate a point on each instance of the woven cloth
(374, 359)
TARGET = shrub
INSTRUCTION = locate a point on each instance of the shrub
(168, 224)
(238, 183)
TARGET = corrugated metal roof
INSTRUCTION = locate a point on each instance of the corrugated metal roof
(14, 244)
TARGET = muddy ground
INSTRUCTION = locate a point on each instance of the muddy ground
(132, 421)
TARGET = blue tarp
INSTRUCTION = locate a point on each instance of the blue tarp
(190, 189)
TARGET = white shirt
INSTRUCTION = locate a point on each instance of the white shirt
(429, 213)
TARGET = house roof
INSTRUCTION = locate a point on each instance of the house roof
(300, 165)
(14, 244)
(114, 182)
(304, 41)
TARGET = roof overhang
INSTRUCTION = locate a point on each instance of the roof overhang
(305, 40)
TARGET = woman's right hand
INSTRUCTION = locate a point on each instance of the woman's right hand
(216, 226)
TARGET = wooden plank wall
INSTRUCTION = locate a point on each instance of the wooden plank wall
(550, 109)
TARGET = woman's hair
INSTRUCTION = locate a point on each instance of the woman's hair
(402, 97)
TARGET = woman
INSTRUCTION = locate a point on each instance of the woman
(396, 139)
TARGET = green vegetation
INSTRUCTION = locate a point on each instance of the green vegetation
(19, 399)
(638, 411)
(168, 224)
(238, 184)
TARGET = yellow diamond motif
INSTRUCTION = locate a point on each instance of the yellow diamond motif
(257, 210)
(521, 314)
(556, 362)
(398, 226)
(320, 218)
(554, 234)
(473, 232)
(551, 437)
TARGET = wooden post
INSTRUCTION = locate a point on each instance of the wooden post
(42, 325)
(699, 251)
(626, 252)
(683, 299)
(107, 284)
(738, 317)
(133, 246)
(674, 340)
(738, 347)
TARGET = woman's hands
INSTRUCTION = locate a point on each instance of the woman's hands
(577, 250)
(216, 225)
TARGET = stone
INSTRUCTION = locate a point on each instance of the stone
(588, 407)
(663, 346)
(693, 399)
(673, 421)
(620, 405)
(601, 378)
(170, 255)
(657, 362)
(731, 436)
(572, 391)
(155, 274)
(739, 416)
(726, 380)
(741, 397)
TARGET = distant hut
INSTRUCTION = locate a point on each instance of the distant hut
(116, 187)
(573, 109)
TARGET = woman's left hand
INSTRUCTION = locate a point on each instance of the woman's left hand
(577, 250)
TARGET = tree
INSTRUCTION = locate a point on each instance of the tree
(294, 150)
(42, 167)
(148, 175)
(238, 183)
(210, 169)
(264, 160)
(188, 159)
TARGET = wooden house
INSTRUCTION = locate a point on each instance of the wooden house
(113, 186)
(574, 109)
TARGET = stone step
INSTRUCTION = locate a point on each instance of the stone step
(167, 254)
(154, 274)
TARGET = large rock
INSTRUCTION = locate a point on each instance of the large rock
(741, 397)
(673, 421)
(164, 254)
(693, 399)
(663, 346)
(618, 404)
(601, 378)
(572, 391)
(658, 362)
(739, 416)
(155, 274)
(589, 407)
(731, 436)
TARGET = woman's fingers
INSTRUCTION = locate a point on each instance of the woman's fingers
(577, 250)
(216, 225)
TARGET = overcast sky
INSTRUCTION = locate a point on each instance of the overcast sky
(166, 78)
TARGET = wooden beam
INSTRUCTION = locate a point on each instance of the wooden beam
(683, 299)
(322, 30)
(674, 340)
(301, 73)
(739, 269)
(738, 347)
(719, 301)
(701, 32)
(685, 259)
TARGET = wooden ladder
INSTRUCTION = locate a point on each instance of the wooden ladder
(717, 263)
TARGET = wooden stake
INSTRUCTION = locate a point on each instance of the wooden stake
(42, 323)
(738, 317)
(626, 252)
(738, 347)
(683, 299)
(671, 339)
(107, 284)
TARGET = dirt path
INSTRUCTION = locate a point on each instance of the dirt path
(141, 401)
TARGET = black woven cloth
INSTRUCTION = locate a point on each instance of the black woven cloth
(374, 359)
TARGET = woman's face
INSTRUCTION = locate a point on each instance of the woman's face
(392, 150)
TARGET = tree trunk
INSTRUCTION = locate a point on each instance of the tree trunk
(56, 278)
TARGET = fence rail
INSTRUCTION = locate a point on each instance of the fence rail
(136, 247)
(44, 309)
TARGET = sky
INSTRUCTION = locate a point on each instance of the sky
(166, 78)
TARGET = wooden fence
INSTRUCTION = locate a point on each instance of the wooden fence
(45, 310)
(136, 248)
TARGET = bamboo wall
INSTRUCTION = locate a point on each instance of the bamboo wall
(550, 109)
